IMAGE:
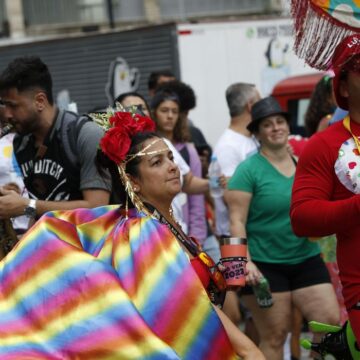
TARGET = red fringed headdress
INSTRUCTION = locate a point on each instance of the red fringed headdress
(320, 25)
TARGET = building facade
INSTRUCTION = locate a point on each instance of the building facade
(22, 18)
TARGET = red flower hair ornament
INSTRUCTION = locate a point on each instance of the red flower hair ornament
(120, 127)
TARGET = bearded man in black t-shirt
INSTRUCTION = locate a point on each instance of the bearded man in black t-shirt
(54, 179)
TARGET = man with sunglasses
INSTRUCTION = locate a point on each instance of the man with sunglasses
(326, 190)
(53, 180)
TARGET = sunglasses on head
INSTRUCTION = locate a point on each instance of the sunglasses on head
(135, 109)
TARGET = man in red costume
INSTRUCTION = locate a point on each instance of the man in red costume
(326, 190)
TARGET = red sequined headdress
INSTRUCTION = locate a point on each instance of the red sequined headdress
(120, 126)
(320, 25)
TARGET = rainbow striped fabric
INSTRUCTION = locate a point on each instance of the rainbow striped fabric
(91, 284)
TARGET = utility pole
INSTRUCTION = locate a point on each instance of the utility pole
(15, 17)
(110, 13)
(152, 11)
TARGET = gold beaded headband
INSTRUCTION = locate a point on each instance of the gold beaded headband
(135, 199)
(144, 152)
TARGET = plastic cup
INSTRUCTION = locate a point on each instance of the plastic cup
(233, 258)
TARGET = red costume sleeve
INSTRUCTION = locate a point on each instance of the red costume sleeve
(320, 204)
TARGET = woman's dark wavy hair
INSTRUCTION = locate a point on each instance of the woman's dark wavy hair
(321, 104)
(184, 92)
(103, 163)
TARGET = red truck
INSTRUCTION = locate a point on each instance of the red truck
(293, 94)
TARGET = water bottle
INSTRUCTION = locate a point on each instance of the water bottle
(214, 178)
(263, 294)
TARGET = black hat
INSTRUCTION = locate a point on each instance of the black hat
(264, 108)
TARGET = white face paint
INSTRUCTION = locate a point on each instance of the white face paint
(347, 166)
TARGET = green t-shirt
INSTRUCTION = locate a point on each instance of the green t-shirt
(269, 232)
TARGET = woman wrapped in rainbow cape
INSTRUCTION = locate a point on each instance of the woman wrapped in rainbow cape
(117, 282)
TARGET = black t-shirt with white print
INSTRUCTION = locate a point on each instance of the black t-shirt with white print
(48, 174)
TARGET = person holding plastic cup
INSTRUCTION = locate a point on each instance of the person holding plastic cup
(259, 202)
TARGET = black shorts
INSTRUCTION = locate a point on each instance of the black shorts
(283, 277)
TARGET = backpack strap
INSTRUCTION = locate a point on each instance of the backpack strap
(184, 152)
(71, 125)
(68, 130)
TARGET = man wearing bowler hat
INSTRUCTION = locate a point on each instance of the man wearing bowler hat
(326, 190)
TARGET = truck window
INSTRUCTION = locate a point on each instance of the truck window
(297, 109)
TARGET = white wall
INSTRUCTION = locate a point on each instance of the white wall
(216, 55)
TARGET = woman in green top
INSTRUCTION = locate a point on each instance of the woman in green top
(259, 203)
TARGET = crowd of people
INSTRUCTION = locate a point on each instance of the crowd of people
(124, 237)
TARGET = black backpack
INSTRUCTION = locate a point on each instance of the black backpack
(68, 137)
(184, 152)
(71, 125)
